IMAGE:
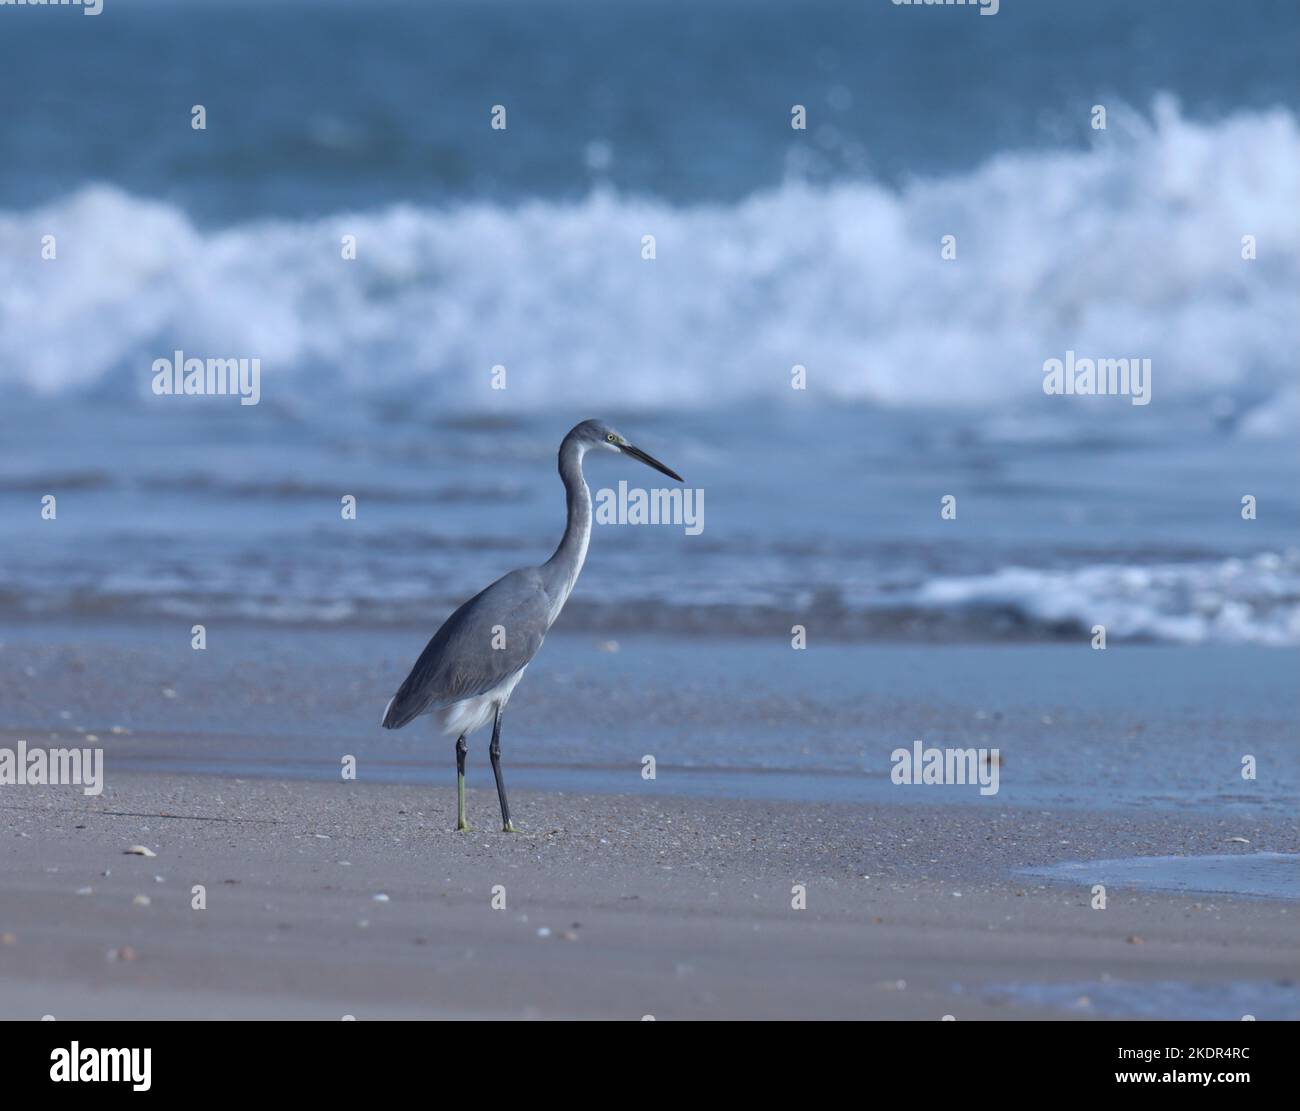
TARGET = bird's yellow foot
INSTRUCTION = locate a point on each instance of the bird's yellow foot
(464, 827)
(509, 827)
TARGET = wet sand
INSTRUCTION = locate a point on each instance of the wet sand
(1133, 728)
(615, 907)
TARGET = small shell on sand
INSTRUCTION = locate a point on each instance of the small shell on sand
(139, 850)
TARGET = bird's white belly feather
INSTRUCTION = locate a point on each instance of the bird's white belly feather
(473, 713)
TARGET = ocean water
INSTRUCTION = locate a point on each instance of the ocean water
(1180, 1000)
(1252, 874)
(774, 247)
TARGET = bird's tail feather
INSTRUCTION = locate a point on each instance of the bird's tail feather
(401, 711)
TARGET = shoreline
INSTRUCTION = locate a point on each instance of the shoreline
(1162, 727)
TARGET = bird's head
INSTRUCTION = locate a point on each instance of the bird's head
(597, 434)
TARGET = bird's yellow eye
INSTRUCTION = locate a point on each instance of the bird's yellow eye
(611, 437)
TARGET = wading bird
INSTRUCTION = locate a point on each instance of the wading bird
(467, 672)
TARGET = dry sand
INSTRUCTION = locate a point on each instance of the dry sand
(616, 907)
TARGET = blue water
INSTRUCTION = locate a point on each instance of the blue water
(1256, 874)
(774, 247)
(325, 106)
(1194, 1001)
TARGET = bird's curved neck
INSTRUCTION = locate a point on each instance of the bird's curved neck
(567, 561)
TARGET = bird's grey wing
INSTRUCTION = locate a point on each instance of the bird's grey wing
(479, 646)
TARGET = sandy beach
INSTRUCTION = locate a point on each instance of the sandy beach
(324, 900)
(623, 896)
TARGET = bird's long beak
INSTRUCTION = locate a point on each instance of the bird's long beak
(651, 461)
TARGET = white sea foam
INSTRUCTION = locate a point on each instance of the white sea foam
(1254, 600)
(1129, 248)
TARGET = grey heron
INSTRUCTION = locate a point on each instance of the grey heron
(467, 672)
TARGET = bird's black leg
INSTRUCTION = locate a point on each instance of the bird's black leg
(494, 752)
(461, 749)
